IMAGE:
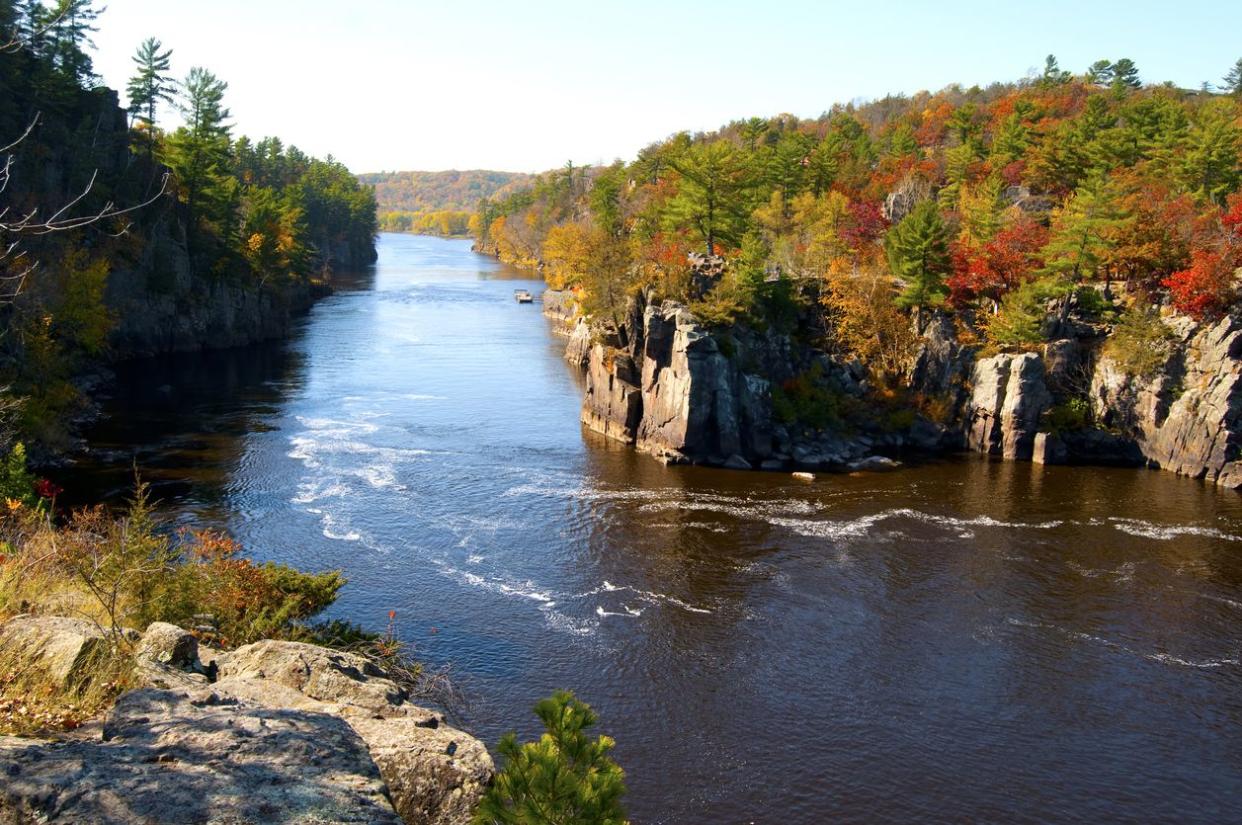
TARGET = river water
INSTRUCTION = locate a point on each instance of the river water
(959, 641)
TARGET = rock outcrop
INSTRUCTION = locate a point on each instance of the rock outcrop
(668, 385)
(1187, 418)
(1008, 397)
(285, 731)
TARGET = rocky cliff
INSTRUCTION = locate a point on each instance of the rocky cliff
(676, 390)
(668, 385)
(274, 731)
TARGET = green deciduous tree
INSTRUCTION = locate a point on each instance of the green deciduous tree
(566, 778)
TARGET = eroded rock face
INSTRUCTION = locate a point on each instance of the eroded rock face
(613, 404)
(1007, 399)
(61, 649)
(1188, 417)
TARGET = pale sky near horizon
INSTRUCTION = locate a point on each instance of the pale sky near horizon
(391, 85)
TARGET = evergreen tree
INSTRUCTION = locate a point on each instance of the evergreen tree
(1233, 80)
(1053, 74)
(918, 253)
(198, 152)
(1100, 73)
(151, 84)
(710, 194)
(1084, 230)
(1212, 166)
(72, 24)
(1125, 75)
(566, 778)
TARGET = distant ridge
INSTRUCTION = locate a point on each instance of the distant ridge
(451, 191)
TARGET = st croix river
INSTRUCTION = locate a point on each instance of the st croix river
(955, 642)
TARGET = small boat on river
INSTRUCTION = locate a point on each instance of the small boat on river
(523, 296)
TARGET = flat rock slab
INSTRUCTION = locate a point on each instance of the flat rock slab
(196, 757)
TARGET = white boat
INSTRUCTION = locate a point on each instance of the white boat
(523, 296)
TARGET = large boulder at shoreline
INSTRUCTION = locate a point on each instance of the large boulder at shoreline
(56, 649)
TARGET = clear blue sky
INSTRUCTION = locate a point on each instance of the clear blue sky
(525, 86)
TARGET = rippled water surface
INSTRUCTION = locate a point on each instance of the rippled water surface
(960, 641)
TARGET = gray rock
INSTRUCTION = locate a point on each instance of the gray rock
(61, 650)
(169, 645)
(874, 463)
(321, 674)
(193, 757)
(1009, 396)
(1188, 417)
(1048, 449)
(736, 462)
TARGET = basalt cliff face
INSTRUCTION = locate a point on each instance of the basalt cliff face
(683, 393)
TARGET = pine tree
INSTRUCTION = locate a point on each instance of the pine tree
(1233, 80)
(710, 193)
(198, 152)
(918, 253)
(566, 778)
(152, 84)
(1053, 73)
(1083, 232)
(1100, 73)
(72, 24)
(1125, 75)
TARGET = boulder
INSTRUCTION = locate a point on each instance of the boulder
(319, 673)
(169, 645)
(193, 757)
(58, 649)
(874, 463)
(435, 775)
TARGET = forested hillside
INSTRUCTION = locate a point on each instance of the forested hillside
(124, 235)
(1003, 206)
(437, 203)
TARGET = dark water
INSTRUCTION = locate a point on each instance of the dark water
(966, 641)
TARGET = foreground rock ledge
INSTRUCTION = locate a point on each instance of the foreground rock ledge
(290, 733)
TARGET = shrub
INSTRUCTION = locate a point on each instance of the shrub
(1141, 342)
(1074, 414)
(566, 778)
(1020, 320)
(124, 572)
(805, 399)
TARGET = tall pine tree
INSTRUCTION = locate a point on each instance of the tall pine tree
(151, 83)
(918, 253)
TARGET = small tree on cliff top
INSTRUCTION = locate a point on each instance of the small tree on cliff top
(566, 778)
